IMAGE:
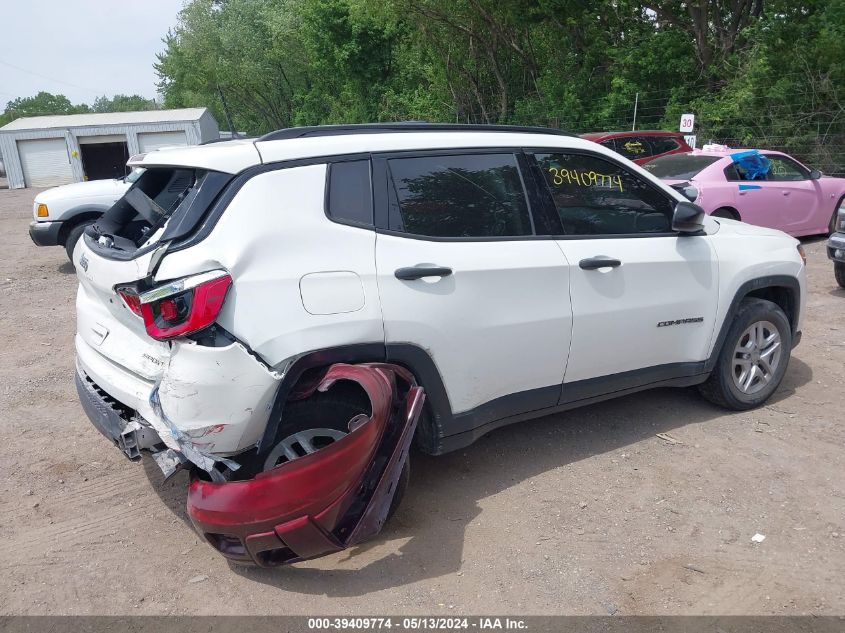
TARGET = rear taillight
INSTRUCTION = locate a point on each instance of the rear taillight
(179, 307)
(131, 299)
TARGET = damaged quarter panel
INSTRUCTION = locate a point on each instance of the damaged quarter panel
(273, 238)
(219, 396)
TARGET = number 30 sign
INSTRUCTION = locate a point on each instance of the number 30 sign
(687, 123)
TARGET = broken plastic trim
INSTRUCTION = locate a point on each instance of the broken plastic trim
(325, 501)
(180, 447)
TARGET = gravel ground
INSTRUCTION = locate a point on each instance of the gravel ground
(586, 512)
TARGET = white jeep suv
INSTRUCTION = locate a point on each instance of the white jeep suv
(282, 316)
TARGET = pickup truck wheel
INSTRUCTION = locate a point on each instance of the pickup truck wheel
(753, 359)
(839, 273)
(73, 237)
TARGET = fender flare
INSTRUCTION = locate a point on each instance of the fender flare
(770, 281)
(79, 216)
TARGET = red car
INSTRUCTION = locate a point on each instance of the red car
(643, 146)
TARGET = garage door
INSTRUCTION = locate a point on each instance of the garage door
(45, 162)
(149, 141)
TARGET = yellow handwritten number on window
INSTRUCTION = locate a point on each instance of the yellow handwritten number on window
(584, 178)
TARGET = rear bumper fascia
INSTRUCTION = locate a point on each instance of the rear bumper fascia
(327, 500)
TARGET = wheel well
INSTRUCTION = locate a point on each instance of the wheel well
(781, 296)
(733, 212)
(77, 219)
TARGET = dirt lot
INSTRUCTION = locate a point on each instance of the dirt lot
(587, 512)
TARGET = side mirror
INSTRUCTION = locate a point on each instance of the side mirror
(687, 190)
(688, 218)
(815, 174)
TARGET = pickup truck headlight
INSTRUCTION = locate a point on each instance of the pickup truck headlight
(840, 220)
(41, 211)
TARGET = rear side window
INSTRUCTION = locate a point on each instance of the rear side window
(663, 144)
(472, 195)
(350, 197)
(594, 196)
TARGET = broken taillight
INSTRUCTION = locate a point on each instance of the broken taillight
(179, 307)
(131, 299)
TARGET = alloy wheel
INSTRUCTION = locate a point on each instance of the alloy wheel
(757, 357)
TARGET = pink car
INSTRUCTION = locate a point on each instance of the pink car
(756, 186)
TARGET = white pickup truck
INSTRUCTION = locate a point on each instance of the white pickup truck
(61, 214)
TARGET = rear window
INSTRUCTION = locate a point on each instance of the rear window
(679, 166)
(170, 201)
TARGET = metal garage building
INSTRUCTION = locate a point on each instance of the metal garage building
(46, 151)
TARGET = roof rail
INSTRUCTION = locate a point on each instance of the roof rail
(402, 126)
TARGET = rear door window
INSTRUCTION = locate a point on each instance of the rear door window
(458, 196)
(634, 147)
(594, 196)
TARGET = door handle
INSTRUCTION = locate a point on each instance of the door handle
(418, 272)
(592, 263)
(786, 193)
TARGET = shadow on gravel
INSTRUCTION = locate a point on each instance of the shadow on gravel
(444, 493)
(67, 269)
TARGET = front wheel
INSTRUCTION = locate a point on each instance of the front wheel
(839, 273)
(753, 359)
(831, 227)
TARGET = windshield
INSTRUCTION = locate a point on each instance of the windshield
(679, 166)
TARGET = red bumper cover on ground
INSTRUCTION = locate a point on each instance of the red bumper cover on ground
(325, 501)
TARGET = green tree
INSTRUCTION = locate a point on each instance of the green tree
(123, 103)
(42, 104)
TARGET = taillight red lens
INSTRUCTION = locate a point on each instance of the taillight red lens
(185, 311)
(131, 299)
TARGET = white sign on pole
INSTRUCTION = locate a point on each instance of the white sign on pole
(687, 123)
(691, 139)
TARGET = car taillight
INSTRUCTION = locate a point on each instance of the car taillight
(179, 307)
(131, 299)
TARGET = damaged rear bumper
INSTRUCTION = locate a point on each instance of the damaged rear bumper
(325, 501)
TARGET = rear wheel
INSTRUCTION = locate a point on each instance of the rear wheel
(839, 273)
(315, 422)
(725, 212)
(753, 359)
(73, 237)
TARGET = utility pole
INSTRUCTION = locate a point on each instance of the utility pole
(636, 103)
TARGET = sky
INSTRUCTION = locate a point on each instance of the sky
(81, 48)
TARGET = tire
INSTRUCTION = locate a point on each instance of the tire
(839, 273)
(831, 228)
(334, 409)
(725, 385)
(724, 212)
(73, 237)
